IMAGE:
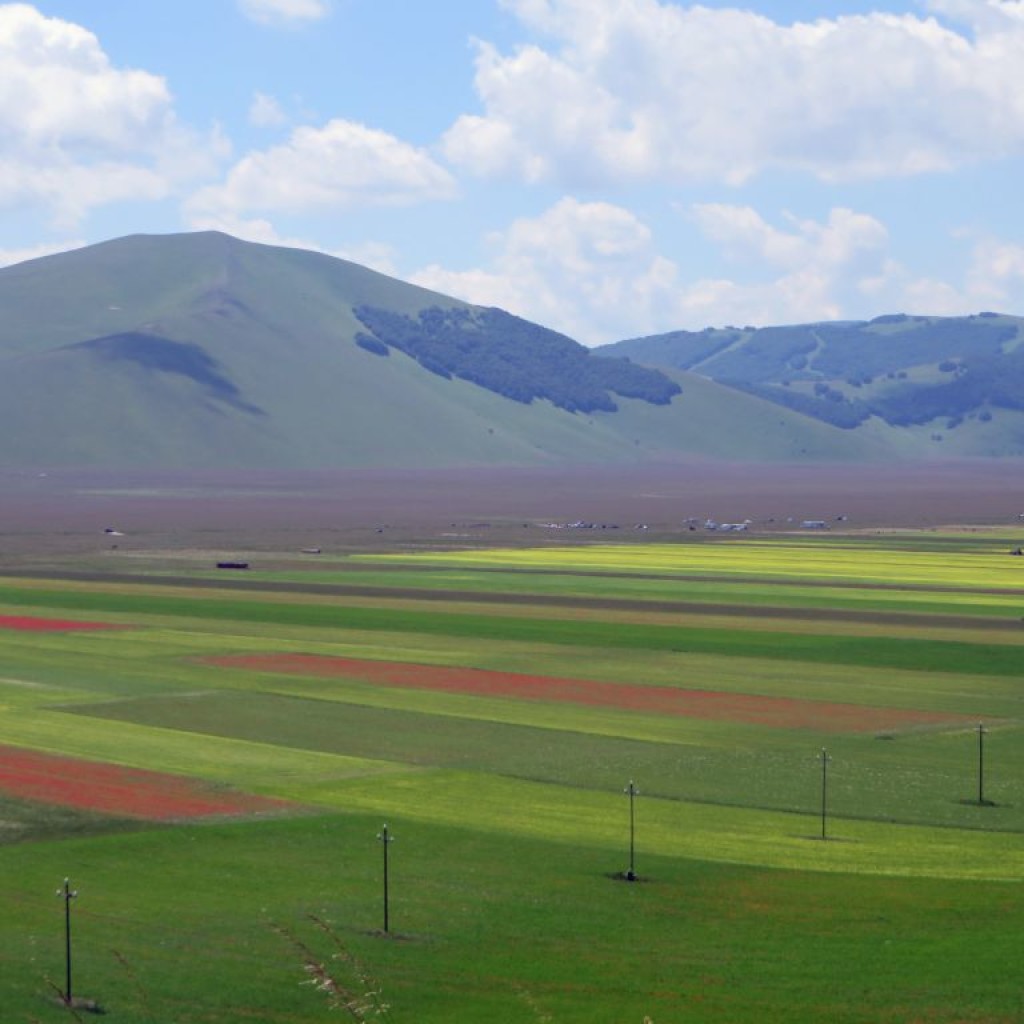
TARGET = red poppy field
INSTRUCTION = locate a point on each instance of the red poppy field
(113, 789)
(31, 624)
(751, 709)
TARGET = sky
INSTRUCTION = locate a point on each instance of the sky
(607, 168)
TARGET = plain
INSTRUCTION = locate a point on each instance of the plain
(828, 824)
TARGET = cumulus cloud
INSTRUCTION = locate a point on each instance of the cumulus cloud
(996, 278)
(594, 272)
(587, 269)
(284, 12)
(8, 257)
(745, 235)
(640, 90)
(259, 229)
(334, 167)
(987, 15)
(266, 111)
(77, 132)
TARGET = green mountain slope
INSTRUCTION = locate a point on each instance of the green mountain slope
(200, 350)
(917, 385)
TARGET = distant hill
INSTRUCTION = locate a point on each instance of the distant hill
(918, 385)
(203, 351)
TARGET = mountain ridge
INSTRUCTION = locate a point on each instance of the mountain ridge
(925, 380)
(201, 350)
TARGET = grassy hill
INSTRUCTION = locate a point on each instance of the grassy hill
(917, 385)
(203, 351)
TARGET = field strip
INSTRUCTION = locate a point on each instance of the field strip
(678, 829)
(586, 599)
(119, 790)
(873, 651)
(36, 624)
(980, 610)
(953, 692)
(30, 684)
(592, 721)
(949, 693)
(772, 711)
(813, 559)
(256, 767)
(144, 607)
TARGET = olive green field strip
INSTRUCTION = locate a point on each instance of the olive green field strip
(871, 651)
(917, 777)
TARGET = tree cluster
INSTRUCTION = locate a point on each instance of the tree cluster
(512, 357)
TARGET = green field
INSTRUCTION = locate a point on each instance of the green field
(512, 827)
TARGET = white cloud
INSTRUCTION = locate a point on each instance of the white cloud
(996, 277)
(987, 15)
(335, 167)
(76, 132)
(744, 235)
(266, 111)
(373, 255)
(284, 12)
(589, 270)
(594, 272)
(8, 257)
(631, 90)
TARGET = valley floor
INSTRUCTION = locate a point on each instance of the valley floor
(48, 514)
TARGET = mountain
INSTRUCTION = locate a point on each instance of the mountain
(203, 351)
(919, 385)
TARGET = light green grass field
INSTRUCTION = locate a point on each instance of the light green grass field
(510, 813)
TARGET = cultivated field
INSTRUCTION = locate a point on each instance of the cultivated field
(210, 756)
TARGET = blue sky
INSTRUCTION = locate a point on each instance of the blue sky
(609, 168)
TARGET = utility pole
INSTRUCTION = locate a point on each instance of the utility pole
(67, 894)
(824, 758)
(632, 792)
(386, 840)
(981, 763)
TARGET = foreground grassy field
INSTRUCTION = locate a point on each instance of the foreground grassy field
(491, 707)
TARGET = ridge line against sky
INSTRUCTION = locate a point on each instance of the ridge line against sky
(608, 168)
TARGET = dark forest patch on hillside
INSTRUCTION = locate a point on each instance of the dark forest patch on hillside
(513, 357)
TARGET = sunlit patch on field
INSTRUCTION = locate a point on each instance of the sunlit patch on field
(113, 789)
(752, 709)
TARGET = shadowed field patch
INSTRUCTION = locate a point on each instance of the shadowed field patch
(113, 789)
(28, 623)
(753, 709)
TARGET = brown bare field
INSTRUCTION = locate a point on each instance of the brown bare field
(49, 514)
(774, 712)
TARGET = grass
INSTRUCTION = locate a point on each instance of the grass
(510, 815)
(788, 559)
(873, 651)
(694, 940)
(742, 593)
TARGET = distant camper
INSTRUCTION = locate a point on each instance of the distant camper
(814, 524)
